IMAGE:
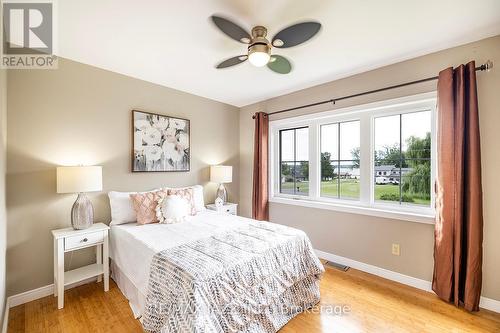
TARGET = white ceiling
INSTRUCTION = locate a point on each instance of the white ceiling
(173, 43)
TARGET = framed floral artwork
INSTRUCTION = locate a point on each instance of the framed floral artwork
(160, 143)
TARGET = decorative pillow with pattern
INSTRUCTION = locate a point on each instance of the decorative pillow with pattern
(186, 193)
(172, 209)
(145, 205)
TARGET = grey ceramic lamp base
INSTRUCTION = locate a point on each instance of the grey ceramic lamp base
(222, 193)
(82, 213)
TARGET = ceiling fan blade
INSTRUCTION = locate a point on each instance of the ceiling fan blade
(279, 64)
(232, 61)
(296, 34)
(231, 29)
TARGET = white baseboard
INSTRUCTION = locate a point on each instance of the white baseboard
(30, 295)
(485, 303)
(41, 292)
(382, 272)
(489, 304)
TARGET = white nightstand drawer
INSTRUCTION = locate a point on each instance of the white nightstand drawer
(228, 208)
(73, 242)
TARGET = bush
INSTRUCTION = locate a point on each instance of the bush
(395, 197)
(407, 198)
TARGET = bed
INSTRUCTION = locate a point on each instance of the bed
(214, 272)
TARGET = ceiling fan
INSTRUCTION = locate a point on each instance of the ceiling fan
(259, 48)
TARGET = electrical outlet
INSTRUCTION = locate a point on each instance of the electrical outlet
(395, 249)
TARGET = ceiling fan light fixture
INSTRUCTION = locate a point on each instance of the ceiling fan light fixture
(259, 47)
(259, 54)
(259, 59)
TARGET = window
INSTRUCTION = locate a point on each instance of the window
(376, 159)
(294, 160)
(340, 160)
(403, 151)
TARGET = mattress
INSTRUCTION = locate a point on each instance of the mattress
(133, 246)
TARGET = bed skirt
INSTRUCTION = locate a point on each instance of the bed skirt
(135, 298)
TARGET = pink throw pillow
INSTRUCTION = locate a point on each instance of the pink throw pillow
(145, 205)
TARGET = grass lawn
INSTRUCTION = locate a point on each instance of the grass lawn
(349, 189)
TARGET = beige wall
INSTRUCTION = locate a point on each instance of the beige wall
(3, 217)
(368, 239)
(80, 114)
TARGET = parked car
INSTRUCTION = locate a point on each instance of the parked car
(394, 181)
(381, 180)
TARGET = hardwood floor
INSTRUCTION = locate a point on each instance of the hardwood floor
(374, 305)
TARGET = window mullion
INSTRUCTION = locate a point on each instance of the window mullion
(280, 161)
(294, 161)
(338, 161)
(366, 160)
(314, 161)
(433, 155)
(400, 159)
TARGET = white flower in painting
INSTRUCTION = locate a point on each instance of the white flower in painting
(160, 123)
(178, 123)
(138, 143)
(183, 140)
(151, 136)
(171, 150)
(170, 135)
(142, 124)
(153, 153)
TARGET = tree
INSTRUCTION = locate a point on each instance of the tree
(304, 170)
(419, 148)
(285, 169)
(286, 172)
(391, 155)
(356, 157)
(327, 169)
(418, 181)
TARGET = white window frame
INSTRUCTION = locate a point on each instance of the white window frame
(366, 114)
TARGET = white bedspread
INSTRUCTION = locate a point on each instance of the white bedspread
(133, 246)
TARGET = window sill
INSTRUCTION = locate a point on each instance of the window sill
(382, 211)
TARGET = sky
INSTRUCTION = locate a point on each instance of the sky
(386, 134)
(412, 124)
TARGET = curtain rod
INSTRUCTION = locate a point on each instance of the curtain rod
(484, 67)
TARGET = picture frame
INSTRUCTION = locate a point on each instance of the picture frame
(160, 143)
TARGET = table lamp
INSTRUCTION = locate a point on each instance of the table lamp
(80, 179)
(221, 174)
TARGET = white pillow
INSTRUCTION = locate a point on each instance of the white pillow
(122, 209)
(172, 209)
(199, 202)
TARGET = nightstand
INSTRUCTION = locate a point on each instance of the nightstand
(229, 208)
(67, 240)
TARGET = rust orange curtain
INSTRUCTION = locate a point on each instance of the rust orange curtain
(260, 195)
(459, 212)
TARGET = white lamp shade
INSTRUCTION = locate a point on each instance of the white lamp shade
(221, 174)
(76, 179)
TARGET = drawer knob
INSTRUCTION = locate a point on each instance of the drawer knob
(84, 240)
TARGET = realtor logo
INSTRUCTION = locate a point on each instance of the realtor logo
(28, 35)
